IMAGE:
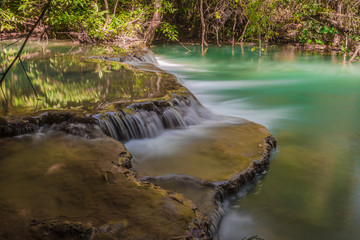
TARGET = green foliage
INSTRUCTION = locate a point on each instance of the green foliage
(169, 31)
(318, 41)
(167, 7)
(265, 21)
(325, 30)
(128, 18)
(262, 25)
(75, 15)
(7, 20)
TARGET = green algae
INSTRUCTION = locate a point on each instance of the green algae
(232, 149)
(55, 184)
(223, 152)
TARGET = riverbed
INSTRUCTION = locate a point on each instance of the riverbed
(308, 101)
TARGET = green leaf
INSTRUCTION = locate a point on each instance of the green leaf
(319, 42)
(217, 15)
(324, 30)
(102, 13)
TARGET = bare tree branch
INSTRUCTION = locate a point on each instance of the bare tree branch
(12, 43)
(355, 54)
(27, 76)
(24, 43)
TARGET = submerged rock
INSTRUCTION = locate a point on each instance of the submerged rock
(76, 188)
(209, 167)
(85, 196)
(223, 152)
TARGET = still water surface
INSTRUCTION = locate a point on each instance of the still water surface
(311, 104)
(67, 76)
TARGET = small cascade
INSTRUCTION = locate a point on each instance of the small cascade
(150, 119)
(191, 110)
(142, 124)
(149, 57)
(215, 220)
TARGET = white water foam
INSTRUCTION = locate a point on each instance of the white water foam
(225, 85)
(220, 104)
(172, 66)
(167, 143)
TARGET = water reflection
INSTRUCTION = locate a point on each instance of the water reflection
(65, 78)
(311, 103)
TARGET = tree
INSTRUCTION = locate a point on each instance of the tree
(154, 23)
(203, 26)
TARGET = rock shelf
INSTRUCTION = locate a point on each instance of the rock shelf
(85, 185)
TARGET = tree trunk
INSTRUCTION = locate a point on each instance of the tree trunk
(355, 54)
(203, 27)
(244, 31)
(337, 37)
(116, 4)
(217, 35)
(108, 19)
(154, 24)
(346, 45)
(234, 27)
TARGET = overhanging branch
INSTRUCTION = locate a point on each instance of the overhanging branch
(24, 43)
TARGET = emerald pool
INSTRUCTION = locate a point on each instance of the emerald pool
(311, 104)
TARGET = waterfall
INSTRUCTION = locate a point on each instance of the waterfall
(149, 57)
(142, 124)
(132, 58)
(150, 119)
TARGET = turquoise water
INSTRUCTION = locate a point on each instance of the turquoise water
(311, 104)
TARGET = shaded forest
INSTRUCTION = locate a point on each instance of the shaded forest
(331, 23)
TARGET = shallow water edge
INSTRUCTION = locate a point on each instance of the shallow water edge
(176, 108)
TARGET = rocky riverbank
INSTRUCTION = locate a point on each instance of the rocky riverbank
(153, 103)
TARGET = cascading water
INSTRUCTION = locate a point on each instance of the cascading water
(149, 57)
(150, 119)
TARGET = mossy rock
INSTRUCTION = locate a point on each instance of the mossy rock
(224, 152)
(66, 187)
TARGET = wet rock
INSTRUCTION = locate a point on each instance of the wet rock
(96, 199)
(215, 165)
(124, 160)
(198, 191)
(15, 126)
(224, 152)
(64, 116)
(136, 55)
(68, 122)
(87, 130)
(109, 177)
(127, 208)
(3, 121)
(66, 230)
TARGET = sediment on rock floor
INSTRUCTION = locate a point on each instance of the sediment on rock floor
(76, 189)
(213, 166)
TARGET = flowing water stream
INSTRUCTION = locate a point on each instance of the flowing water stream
(311, 104)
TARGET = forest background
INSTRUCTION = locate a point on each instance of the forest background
(327, 24)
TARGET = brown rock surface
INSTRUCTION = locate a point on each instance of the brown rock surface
(65, 187)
